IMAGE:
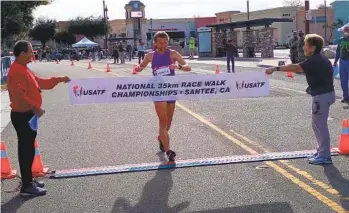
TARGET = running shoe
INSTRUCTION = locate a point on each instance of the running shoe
(32, 190)
(320, 160)
(171, 155)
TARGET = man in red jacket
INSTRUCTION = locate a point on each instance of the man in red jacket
(24, 88)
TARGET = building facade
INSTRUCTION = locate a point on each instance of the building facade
(225, 17)
(118, 27)
(340, 10)
(283, 31)
(204, 21)
(178, 29)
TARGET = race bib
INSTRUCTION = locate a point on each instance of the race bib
(163, 71)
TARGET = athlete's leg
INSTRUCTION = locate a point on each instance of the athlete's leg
(161, 111)
(171, 105)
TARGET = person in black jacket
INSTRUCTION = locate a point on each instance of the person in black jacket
(230, 50)
(319, 74)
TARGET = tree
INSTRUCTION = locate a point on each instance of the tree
(17, 18)
(298, 3)
(322, 6)
(43, 31)
(337, 24)
(90, 27)
(65, 37)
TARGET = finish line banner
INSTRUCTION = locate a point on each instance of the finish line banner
(168, 88)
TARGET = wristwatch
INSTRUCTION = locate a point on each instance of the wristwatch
(179, 66)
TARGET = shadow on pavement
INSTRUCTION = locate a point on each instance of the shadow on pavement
(339, 183)
(154, 197)
(14, 204)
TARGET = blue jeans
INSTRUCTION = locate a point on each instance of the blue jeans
(230, 57)
(344, 75)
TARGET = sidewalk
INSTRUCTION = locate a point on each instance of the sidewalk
(5, 109)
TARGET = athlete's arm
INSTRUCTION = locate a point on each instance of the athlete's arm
(178, 57)
(147, 59)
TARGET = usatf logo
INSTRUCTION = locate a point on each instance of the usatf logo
(79, 91)
(248, 85)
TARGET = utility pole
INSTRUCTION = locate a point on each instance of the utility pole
(325, 23)
(105, 15)
(248, 10)
(306, 16)
(151, 32)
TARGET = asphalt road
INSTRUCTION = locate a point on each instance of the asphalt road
(113, 134)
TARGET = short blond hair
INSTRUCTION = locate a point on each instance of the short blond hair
(161, 34)
(315, 40)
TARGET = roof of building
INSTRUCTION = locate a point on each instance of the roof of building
(250, 23)
(138, 2)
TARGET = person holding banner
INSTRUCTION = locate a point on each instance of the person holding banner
(24, 89)
(163, 64)
(319, 74)
(342, 53)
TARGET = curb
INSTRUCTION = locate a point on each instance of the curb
(224, 59)
(264, 65)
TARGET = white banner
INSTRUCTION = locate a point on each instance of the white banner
(167, 88)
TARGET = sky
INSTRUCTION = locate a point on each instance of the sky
(63, 10)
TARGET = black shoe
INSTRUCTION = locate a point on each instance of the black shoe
(161, 147)
(32, 190)
(171, 155)
(39, 184)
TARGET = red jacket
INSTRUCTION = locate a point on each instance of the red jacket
(24, 88)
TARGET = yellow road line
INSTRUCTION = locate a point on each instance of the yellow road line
(330, 203)
(288, 164)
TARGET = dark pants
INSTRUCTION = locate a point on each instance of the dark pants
(140, 56)
(26, 138)
(294, 56)
(230, 58)
(344, 75)
(116, 59)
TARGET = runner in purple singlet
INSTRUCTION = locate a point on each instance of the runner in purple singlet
(163, 64)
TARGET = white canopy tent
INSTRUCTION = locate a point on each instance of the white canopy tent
(85, 42)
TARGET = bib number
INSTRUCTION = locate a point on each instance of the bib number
(162, 71)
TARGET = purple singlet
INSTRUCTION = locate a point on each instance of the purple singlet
(161, 62)
(160, 65)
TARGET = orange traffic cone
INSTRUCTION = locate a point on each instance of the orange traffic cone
(343, 147)
(38, 169)
(72, 63)
(289, 74)
(89, 65)
(6, 170)
(108, 68)
(217, 69)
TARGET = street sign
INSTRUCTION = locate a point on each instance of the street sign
(308, 16)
